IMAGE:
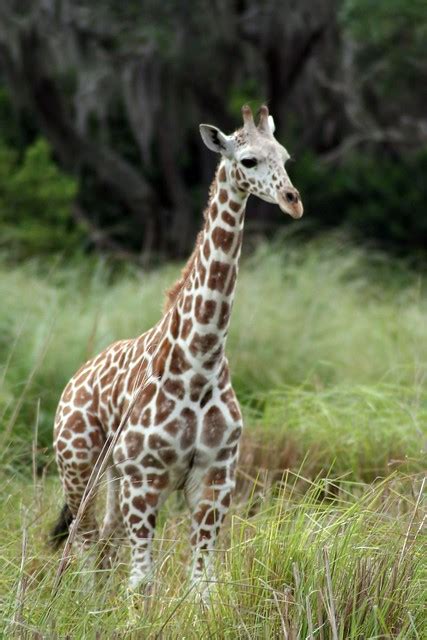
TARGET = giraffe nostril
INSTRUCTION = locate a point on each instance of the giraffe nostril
(291, 196)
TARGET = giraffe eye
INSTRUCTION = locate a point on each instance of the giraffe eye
(249, 162)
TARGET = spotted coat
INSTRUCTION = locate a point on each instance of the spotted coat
(184, 426)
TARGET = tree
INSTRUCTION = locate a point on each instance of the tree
(118, 90)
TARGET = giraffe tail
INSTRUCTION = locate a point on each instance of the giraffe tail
(60, 530)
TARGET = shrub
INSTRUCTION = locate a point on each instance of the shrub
(379, 198)
(35, 203)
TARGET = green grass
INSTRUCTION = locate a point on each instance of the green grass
(328, 351)
(324, 340)
(302, 566)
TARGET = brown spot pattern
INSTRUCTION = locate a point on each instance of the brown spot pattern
(160, 361)
(175, 322)
(150, 461)
(145, 396)
(206, 249)
(157, 442)
(218, 273)
(204, 311)
(134, 442)
(226, 500)
(82, 396)
(232, 281)
(164, 407)
(229, 398)
(197, 384)
(225, 453)
(187, 304)
(186, 328)
(146, 417)
(202, 273)
(139, 503)
(216, 475)
(179, 363)
(224, 315)
(213, 210)
(223, 196)
(134, 472)
(222, 239)
(214, 426)
(158, 480)
(202, 344)
(172, 427)
(175, 388)
(235, 435)
(228, 218)
(168, 456)
(213, 359)
(189, 433)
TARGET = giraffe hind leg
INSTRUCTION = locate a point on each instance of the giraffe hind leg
(78, 444)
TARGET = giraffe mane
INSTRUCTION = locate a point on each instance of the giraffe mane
(171, 294)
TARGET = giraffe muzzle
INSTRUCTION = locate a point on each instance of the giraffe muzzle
(289, 200)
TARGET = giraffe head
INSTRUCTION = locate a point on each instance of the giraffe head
(257, 160)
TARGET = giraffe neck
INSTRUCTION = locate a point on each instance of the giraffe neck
(204, 304)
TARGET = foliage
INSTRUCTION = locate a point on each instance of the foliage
(119, 89)
(35, 203)
(395, 26)
(378, 197)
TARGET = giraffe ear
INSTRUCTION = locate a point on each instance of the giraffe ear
(217, 141)
(271, 124)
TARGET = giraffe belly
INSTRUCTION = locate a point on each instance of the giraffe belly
(164, 438)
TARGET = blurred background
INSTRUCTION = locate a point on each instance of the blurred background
(104, 177)
(100, 103)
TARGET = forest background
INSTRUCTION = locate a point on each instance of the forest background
(100, 104)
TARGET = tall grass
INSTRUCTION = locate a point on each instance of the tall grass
(328, 348)
(328, 351)
(302, 567)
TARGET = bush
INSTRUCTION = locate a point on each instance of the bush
(35, 203)
(380, 198)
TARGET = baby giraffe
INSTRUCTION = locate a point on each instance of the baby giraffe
(184, 422)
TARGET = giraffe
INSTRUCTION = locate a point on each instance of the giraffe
(183, 429)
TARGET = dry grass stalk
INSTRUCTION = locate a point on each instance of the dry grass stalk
(309, 618)
(18, 616)
(330, 599)
(411, 522)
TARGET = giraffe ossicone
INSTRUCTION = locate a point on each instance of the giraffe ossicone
(183, 429)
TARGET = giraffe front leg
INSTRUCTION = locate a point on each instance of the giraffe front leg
(209, 494)
(141, 497)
